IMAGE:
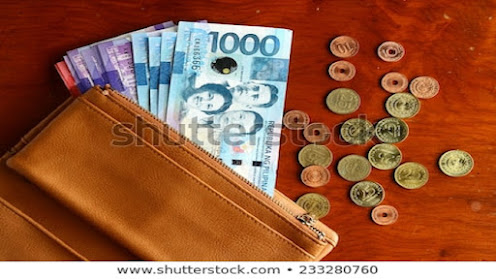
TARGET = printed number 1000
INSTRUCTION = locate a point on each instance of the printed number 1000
(236, 43)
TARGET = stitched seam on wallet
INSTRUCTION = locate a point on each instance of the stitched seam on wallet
(227, 179)
(40, 228)
(201, 183)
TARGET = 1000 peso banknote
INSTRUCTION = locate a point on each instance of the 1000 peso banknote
(227, 94)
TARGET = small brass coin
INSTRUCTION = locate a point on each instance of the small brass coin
(390, 51)
(402, 105)
(315, 176)
(343, 100)
(384, 215)
(411, 175)
(296, 119)
(344, 46)
(391, 130)
(394, 82)
(342, 71)
(384, 156)
(367, 193)
(314, 154)
(424, 87)
(357, 131)
(317, 133)
(354, 167)
(456, 163)
(315, 204)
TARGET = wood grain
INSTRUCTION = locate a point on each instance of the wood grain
(453, 41)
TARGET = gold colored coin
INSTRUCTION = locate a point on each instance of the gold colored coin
(402, 105)
(411, 175)
(315, 176)
(317, 133)
(424, 87)
(391, 130)
(354, 167)
(384, 156)
(343, 100)
(394, 82)
(342, 71)
(357, 131)
(315, 154)
(390, 51)
(344, 46)
(367, 193)
(456, 163)
(384, 215)
(296, 119)
(315, 204)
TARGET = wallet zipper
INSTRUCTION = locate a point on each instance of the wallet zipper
(306, 219)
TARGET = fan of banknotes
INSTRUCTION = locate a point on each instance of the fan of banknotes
(222, 86)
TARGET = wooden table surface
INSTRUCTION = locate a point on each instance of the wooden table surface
(452, 41)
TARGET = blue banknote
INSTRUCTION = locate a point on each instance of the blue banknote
(166, 54)
(141, 64)
(227, 94)
(140, 59)
(154, 66)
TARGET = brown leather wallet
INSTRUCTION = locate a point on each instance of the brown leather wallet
(102, 179)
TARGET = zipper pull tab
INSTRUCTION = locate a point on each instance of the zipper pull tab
(309, 221)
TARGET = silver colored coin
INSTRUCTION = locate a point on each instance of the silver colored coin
(391, 130)
(354, 167)
(402, 105)
(343, 100)
(367, 193)
(357, 131)
(384, 156)
(411, 175)
(456, 163)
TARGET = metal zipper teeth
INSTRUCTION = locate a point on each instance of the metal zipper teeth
(320, 234)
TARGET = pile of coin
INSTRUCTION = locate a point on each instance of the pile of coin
(315, 158)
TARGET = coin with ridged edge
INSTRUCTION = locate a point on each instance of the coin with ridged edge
(456, 163)
(354, 167)
(394, 82)
(344, 46)
(315, 176)
(390, 51)
(317, 133)
(424, 87)
(296, 119)
(411, 175)
(315, 154)
(367, 193)
(384, 215)
(343, 100)
(315, 204)
(357, 131)
(402, 105)
(342, 71)
(391, 130)
(384, 156)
